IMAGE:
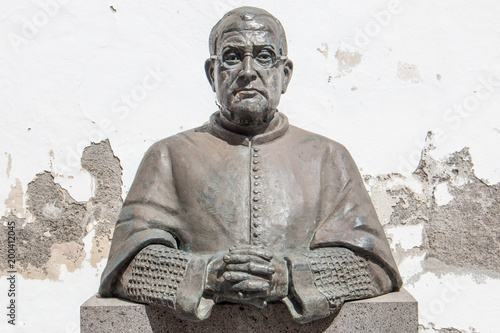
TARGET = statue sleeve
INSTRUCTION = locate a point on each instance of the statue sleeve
(146, 262)
(351, 221)
(322, 280)
(349, 256)
(150, 215)
(169, 278)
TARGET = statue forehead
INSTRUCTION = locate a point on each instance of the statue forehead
(248, 22)
(248, 19)
(248, 37)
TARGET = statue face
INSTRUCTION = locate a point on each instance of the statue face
(249, 75)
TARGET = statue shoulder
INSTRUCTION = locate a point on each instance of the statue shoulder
(303, 136)
(178, 141)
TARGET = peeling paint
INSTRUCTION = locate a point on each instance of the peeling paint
(9, 164)
(14, 202)
(408, 237)
(458, 211)
(408, 72)
(324, 49)
(397, 200)
(442, 195)
(55, 235)
(347, 60)
(449, 330)
(51, 154)
(100, 248)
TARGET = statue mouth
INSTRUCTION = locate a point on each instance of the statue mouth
(247, 92)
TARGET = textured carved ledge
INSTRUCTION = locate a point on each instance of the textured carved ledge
(394, 312)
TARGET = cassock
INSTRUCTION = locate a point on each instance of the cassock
(208, 189)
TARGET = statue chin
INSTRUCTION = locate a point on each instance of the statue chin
(247, 114)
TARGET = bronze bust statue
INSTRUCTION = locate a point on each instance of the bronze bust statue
(247, 208)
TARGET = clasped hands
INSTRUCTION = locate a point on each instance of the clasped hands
(247, 275)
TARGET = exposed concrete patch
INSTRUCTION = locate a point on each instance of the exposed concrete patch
(55, 221)
(104, 207)
(347, 60)
(408, 72)
(100, 162)
(461, 230)
(466, 232)
(396, 202)
(59, 224)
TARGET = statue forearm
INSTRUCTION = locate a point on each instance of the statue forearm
(341, 275)
(154, 275)
(319, 282)
(322, 279)
(167, 277)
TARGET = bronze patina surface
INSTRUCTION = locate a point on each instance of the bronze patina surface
(247, 208)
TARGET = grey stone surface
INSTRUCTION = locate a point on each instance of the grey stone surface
(394, 312)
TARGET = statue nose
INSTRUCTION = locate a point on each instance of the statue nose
(248, 70)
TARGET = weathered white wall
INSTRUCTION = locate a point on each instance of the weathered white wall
(376, 76)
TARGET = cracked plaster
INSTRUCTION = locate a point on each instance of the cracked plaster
(59, 223)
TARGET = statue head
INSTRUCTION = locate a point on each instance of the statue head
(248, 67)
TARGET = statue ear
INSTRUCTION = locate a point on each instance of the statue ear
(209, 70)
(288, 70)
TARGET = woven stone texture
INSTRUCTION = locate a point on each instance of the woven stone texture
(340, 274)
(156, 273)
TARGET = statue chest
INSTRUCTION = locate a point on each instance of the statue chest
(267, 195)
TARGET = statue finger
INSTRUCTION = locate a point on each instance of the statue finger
(251, 286)
(236, 276)
(260, 303)
(252, 268)
(254, 251)
(233, 258)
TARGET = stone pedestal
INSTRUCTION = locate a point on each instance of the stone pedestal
(394, 312)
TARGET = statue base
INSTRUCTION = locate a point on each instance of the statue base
(395, 312)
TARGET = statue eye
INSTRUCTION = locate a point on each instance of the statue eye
(231, 58)
(265, 58)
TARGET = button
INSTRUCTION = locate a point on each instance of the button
(255, 155)
(256, 176)
(256, 149)
(256, 207)
(256, 168)
(255, 234)
(256, 162)
(256, 184)
(256, 191)
(256, 199)
(256, 215)
(256, 224)
(255, 242)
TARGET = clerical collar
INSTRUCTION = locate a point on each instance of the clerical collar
(277, 127)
